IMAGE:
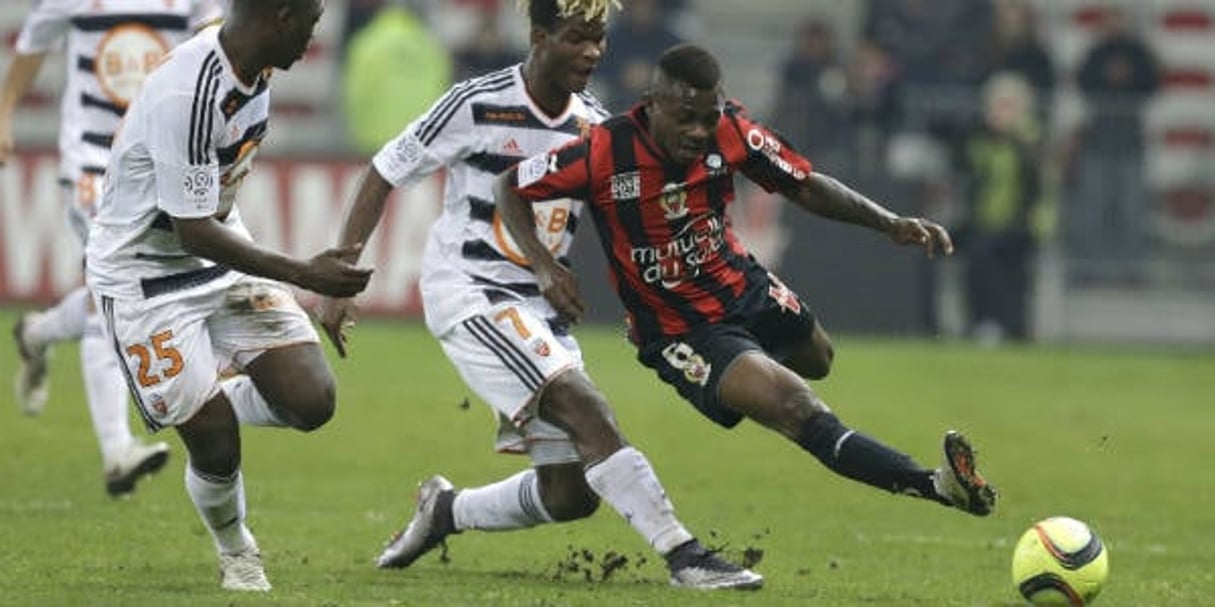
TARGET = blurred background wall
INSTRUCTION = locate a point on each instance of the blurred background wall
(1068, 144)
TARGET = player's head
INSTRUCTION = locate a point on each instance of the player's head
(567, 39)
(284, 26)
(684, 102)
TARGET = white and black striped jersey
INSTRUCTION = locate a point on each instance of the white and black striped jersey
(187, 142)
(111, 47)
(476, 130)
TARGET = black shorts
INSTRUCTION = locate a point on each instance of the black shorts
(773, 320)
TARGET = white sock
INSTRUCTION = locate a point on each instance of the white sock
(221, 504)
(627, 481)
(105, 389)
(512, 503)
(63, 322)
(251, 409)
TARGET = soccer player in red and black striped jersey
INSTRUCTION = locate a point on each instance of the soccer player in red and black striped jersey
(704, 314)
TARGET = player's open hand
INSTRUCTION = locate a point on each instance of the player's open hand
(336, 316)
(922, 232)
(560, 288)
(332, 273)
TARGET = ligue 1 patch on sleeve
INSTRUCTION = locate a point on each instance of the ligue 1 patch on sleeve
(199, 183)
(409, 150)
(533, 169)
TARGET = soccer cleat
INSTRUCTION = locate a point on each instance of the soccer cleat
(694, 566)
(140, 460)
(30, 386)
(958, 479)
(243, 571)
(424, 531)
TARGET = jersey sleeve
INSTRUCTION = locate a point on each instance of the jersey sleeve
(563, 172)
(205, 13)
(44, 27)
(769, 160)
(440, 137)
(181, 142)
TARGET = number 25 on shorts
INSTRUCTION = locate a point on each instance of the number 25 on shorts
(158, 360)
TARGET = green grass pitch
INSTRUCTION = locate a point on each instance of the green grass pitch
(1119, 438)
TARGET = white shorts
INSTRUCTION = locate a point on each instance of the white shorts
(174, 346)
(507, 356)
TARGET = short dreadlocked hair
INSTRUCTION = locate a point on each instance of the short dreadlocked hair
(546, 13)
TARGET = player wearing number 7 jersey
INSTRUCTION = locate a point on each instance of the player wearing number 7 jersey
(482, 302)
(184, 289)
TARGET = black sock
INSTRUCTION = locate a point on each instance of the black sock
(859, 457)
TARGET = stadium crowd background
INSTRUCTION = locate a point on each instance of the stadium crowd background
(1101, 221)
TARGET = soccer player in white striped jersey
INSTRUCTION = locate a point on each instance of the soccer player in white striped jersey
(184, 289)
(111, 47)
(482, 301)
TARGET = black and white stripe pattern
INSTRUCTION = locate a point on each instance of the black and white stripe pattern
(450, 103)
(527, 499)
(201, 114)
(511, 356)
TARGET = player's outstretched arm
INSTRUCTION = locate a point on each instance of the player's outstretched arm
(17, 81)
(826, 196)
(337, 315)
(329, 273)
(556, 281)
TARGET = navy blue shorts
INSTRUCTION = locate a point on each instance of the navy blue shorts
(773, 320)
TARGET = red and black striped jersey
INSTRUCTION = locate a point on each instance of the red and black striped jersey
(675, 261)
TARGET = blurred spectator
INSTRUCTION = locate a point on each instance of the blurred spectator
(811, 107)
(1118, 76)
(937, 46)
(487, 51)
(393, 69)
(638, 35)
(873, 94)
(358, 14)
(999, 171)
(1015, 47)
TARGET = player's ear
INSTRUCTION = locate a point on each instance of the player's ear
(537, 36)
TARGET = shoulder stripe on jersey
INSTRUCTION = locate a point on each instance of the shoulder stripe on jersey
(453, 95)
(101, 140)
(510, 355)
(86, 64)
(455, 98)
(207, 73)
(92, 169)
(157, 21)
(87, 100)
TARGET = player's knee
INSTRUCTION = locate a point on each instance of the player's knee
(314, 405)
(571, 507)
(815, 361)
